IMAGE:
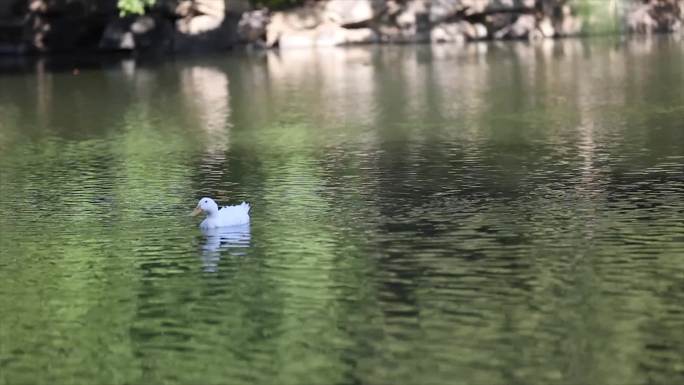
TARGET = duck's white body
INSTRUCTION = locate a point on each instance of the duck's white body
(224, 216)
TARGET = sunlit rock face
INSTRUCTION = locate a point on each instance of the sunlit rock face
(334, 22)
(200, 16)
(346, 13)
(252, 26)
(656, 16)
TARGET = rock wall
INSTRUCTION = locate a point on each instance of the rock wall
(338, 22)
(188, 25)
(655, 16)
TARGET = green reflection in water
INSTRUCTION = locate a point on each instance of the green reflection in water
(500, 214)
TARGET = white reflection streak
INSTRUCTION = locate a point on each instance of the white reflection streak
(206, 89)
(461, 76)
(234, 239)
(343, 78)
(43, 91)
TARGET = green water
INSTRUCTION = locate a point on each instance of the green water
(499, 214)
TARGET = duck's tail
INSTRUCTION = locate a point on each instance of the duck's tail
(246, 206)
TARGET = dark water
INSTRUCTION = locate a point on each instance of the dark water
(499, 214)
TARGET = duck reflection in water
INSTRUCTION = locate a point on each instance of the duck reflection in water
(234, 240)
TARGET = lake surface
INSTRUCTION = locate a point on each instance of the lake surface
(494, 214)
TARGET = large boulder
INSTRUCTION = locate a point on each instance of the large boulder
(292, 21)
(545, 27)
(360, 36)
(137, 33)
(442, 10)
(204, 25)
(472, 7)
(326, 35)
(350, 12)
(252, 26)
(117, 36)
(414, 21)
(656, 16)
(524, 27)
(568, 24)
(474, 31)
(448, 33)
(153, 33)
(200, 16)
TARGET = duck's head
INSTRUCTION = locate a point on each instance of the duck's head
(206, 205)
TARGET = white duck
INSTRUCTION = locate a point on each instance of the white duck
(223, 217)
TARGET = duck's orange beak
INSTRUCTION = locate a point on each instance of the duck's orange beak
(196, 211)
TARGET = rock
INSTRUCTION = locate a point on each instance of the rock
(480, 31)
(447, 33)
(441, 10)
(297, 39)
(473, 7)
(117, 36)
(516, 6)
(252, 26)
(152, 33)
(656, 16)
(184, 8)
(476, 31)
(545, 27)
(360, 36)
(200, 16)
(412, 23)
(198, 24)
(141, 32)
(346, 12)
(389, 33)
(326, 35)
(406, 19)
(570, 24)
(215, 8)
(416, 14)
(291, 22)
(500, 23)
(392, 8)
(37, 6)
(142, 25)
(523, 27)
(640, 21)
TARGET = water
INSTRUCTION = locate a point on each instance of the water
(500, 214)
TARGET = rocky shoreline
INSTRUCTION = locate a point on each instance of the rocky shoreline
(340, 22)
(44, 26)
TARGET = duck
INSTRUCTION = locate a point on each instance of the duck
(221, 217)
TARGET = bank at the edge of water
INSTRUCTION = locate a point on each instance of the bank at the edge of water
(215, 25)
